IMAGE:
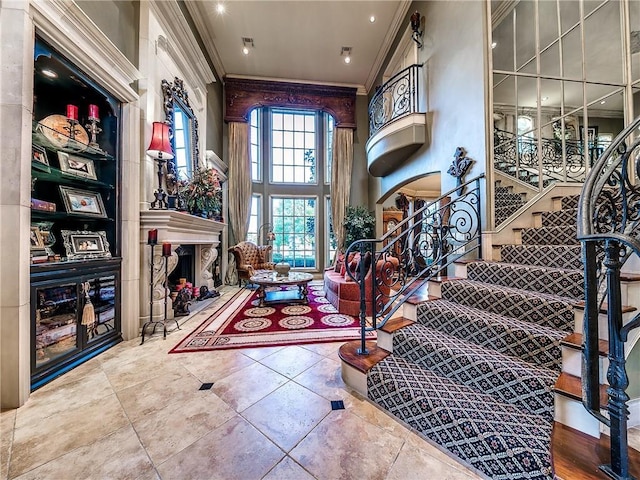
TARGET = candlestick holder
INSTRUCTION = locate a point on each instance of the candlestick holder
(71, 128)
(94, 130)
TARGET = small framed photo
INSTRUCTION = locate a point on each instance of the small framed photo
(36, 238)
(82, 244)
(78, 166)
(39, 158)
(81, 202)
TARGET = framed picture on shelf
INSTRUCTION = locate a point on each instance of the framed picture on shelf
(39, 158)
(78, 166)
(36, 238)
(81, 202)
(82, 244)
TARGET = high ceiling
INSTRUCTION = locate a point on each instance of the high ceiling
(299, 40)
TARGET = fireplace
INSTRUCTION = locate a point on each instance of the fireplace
(185, 267)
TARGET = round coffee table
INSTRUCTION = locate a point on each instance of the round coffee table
(272, 279)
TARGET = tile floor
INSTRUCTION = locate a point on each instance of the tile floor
(136, 412)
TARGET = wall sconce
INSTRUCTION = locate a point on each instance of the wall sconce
(416, 27)
(160, 150)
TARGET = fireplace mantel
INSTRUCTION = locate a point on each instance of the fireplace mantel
(181, 228)
(176, 228)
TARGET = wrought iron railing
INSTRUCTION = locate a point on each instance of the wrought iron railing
(553, 159)
(399, 96)
(609, 230)
(418, 249)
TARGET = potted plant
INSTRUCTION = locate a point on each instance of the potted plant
(202, 195)
(358, 224)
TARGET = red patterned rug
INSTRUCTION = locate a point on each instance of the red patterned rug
(241, 323)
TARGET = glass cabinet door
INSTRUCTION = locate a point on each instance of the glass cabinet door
(103, 297)
(56, 322)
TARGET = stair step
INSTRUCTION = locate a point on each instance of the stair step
(566, 283)
(549, 310)
(572, 356)
(556, 218)
(495, 437)
(560, 235)
(568, 447)
(557, 256)
(569, 202)
(527, 341)
(511, 379)
(571, 386)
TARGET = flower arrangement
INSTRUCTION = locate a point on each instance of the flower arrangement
(202, 195)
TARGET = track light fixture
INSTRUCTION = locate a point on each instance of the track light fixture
(416, 27)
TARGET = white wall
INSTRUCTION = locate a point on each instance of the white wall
(455, 93)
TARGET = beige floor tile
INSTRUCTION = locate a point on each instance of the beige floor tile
(344, 446)
(64, 396)
(173, 428)
(213, 366)
(245, 387)
(158, 393)
(142, 369)
(325, 349)
(260, 352)
(60, 434)
(417, 442)
(370, 412)
(235, 450)
(325, 379)
(291, 361)
(287, 469)
(7, 422)
(417, 455)
(288, 414)
(119, 455)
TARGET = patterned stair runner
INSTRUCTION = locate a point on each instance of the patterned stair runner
(475, 372)
(506, 202)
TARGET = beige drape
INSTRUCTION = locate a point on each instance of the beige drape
(341, 166)
(239, 180)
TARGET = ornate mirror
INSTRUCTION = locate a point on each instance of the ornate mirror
(183, 131)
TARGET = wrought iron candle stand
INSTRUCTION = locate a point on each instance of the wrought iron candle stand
(152, 243)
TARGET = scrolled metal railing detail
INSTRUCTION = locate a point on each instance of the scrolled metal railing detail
(609, 230)
(399, 96)
(418, 249)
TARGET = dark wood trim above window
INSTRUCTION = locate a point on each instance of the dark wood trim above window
(242, 95)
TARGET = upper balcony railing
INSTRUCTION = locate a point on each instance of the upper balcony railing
(399, 96)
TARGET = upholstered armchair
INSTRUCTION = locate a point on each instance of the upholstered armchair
(251, 259)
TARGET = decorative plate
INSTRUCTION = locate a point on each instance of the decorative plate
(55, 129)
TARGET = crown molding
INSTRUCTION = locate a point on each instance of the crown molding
(64, 25)
(396, 23)
(198, 15)
(360, 90)
(181, 43)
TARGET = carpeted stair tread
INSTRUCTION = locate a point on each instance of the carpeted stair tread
(569, 201)
(557, 256)
(528, 341)
(510, 379)
(556, 281)
(504, 212)
(559, 217)
(558, 235)
(497, 438)
(542, 308)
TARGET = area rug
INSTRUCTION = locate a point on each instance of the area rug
(241, 323)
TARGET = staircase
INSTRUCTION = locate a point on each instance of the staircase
(507, 202)
(475, 368)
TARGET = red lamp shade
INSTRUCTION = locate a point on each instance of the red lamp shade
(160, 146)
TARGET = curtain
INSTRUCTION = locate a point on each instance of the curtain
(239, 180)
(341, 166)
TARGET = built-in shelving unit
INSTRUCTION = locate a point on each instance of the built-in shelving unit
(75, 218)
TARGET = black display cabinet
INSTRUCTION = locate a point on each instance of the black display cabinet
(75, 217)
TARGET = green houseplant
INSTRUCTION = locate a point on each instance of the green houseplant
(358, 224)
(202, 195)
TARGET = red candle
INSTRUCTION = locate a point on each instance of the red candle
(166, 249)
(93, 111)
(152, 239)
(72, 112)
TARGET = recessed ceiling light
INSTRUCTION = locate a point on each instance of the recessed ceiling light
(494, 44)
(603, 102)
(346, 53)
(245, 50)
(49, 73)
(544, 99)
(220, 8)
(347, 59)
(372, 18)
(247, 42)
